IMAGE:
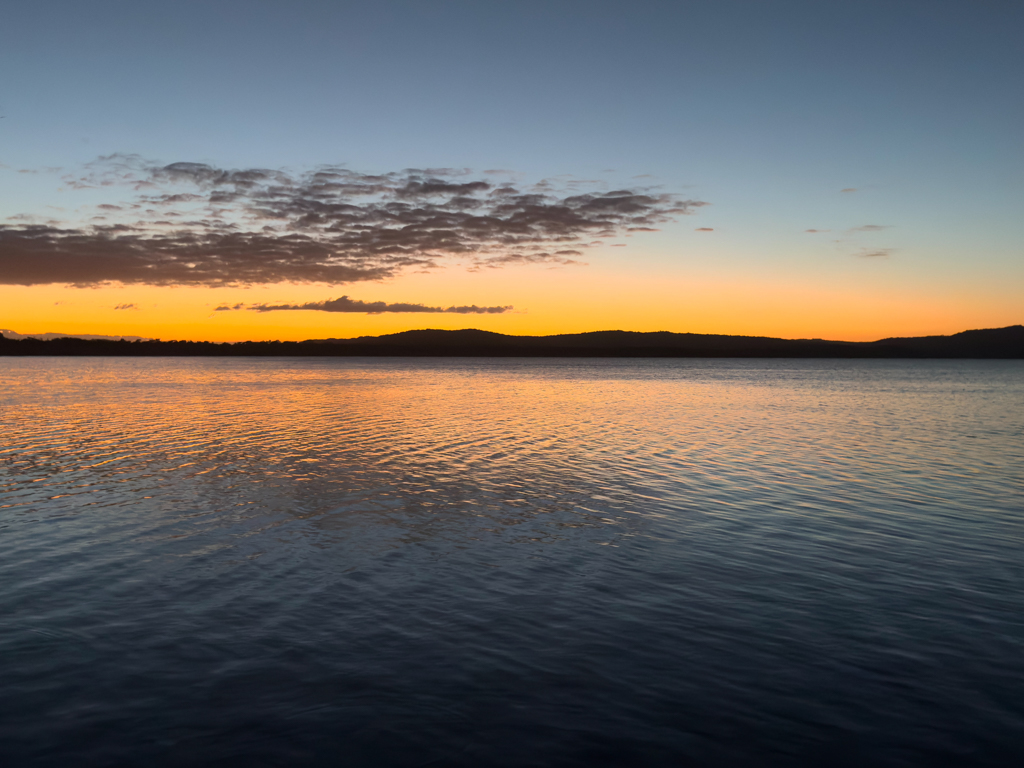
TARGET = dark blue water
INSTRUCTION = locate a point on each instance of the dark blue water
(511, 563)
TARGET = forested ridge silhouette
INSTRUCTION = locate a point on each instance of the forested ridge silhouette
(992, 343)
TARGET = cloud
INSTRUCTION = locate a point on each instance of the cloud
(126, 306)
(869, 228)
(849, 189)
(875, 253)
(812, 231)
(330, 224)
(704, 229)
(345, 304)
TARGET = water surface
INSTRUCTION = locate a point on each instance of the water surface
(511, 562)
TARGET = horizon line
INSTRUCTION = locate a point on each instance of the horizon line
(11, 335)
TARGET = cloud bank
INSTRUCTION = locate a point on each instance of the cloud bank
(345, 304)
(196, 224)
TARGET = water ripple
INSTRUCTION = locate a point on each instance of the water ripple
(511, 562)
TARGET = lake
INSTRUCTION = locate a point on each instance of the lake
(451, 562)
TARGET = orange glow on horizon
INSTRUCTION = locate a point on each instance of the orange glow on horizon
(546, 301)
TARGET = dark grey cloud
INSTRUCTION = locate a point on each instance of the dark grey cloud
(195, 224)
(345, 304)
(41, 254)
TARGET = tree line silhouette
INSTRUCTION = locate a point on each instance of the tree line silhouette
(993, 343)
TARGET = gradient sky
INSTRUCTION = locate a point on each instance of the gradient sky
(837, 170)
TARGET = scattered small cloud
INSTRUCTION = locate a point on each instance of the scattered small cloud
(869, 228)
(815, 231)
(127, 306)
(849, 189)
(875, 253)
(704, 229)
(345, 304)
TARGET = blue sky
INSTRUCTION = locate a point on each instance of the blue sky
(766, 110)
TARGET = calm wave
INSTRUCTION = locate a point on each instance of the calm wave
(492, 562)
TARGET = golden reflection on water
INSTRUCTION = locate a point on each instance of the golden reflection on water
(648, 549)
(501, 440)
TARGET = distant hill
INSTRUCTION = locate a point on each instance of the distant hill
(989, 343)
(49, 336)
(992, 343)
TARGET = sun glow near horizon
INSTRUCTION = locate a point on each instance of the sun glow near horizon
(677, 168)
(543, 302)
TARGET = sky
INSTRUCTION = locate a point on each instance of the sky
(267, 170)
